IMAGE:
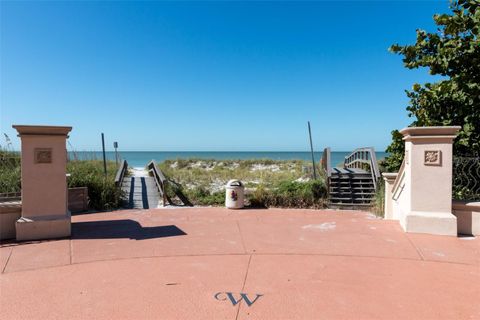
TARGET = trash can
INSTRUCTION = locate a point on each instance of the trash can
(234, 194)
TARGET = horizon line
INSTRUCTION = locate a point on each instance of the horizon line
(211, 151)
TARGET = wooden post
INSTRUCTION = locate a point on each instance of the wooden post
(311, 149)
(115, 145)
(104, 159)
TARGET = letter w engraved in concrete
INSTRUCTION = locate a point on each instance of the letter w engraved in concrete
(244, 297)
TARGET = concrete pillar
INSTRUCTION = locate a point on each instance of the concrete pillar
(427, 207)
(389, 179)
(45, 212)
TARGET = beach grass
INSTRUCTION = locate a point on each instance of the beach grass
(10, 173)
(378, 205)
(279, 183)
(102, 191)
(214, 174)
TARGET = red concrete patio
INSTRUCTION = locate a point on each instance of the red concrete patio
(194, 263)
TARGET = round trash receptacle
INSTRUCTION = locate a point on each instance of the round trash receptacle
(234, 194)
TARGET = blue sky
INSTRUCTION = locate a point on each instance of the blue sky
(210, 75)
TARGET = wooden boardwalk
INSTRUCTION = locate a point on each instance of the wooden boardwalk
(141, 190)
(352, 186)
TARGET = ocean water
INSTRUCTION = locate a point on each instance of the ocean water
(141, 158)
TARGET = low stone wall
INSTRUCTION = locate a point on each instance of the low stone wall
(78, 199)
(468, 217)
(9, 213)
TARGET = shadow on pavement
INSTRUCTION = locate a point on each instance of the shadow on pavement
(116, 229)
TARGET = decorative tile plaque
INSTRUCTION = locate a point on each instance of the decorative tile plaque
(433, 158)
(43, 155)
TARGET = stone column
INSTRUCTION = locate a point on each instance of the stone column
(45, 212)
(428, 175)
(389, 179)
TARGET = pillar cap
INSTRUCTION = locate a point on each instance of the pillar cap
(42, 130)
(441, 132)
(389, 176)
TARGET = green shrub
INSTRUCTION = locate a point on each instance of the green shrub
(102, 192)
(10, 173)
(379, 199)
(202, 196)
(260, 197)
(291, 194)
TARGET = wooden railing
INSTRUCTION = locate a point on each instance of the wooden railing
(160, 180)
(364, 158)
(121, 173)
